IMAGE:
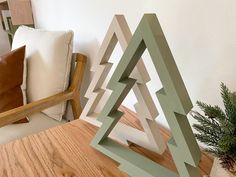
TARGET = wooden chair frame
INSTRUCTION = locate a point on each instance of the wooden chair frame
(72, 94)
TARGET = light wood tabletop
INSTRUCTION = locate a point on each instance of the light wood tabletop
(64, 151)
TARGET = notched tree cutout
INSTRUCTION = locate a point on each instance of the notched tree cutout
(151, 137)
(173, 98)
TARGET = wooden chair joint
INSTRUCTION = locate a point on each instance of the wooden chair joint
(71, 94)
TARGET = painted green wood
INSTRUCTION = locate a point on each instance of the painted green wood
(173, 98)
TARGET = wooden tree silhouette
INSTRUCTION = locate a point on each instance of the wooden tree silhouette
(173, 98)
(145, 108)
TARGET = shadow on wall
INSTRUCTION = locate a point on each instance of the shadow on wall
(4, 42)
(89, 49)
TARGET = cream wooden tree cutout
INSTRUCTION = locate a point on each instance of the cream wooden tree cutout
(174, 100)
(145, 108)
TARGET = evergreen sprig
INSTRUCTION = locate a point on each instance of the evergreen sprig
(217, 128)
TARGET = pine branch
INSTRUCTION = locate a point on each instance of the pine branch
(226, 142)
(214, 151)
(230, 107)
(212, 112)
(206, 122)
(207, 131)
(216, 115)
(217, 128)
(205, 139)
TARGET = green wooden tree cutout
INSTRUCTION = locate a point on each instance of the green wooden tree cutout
(150, 138)
(173, 98)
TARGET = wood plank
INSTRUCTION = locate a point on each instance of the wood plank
(58, 152)
(3, 1)
(64, 151)
(21, 12)
(3, 6)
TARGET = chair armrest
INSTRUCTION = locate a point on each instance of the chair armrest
(78, 74)
(72, 94)
(16, 114)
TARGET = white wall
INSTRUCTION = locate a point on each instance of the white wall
(201, 35)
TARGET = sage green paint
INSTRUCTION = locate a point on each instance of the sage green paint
(173, 98)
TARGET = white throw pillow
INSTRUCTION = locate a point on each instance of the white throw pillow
(48, 55)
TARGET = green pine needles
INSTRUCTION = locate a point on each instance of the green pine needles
(217, 128)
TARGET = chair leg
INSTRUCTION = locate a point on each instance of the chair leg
(76, 106)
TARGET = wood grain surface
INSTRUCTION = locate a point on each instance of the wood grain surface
(64, 151)
(21, 12)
